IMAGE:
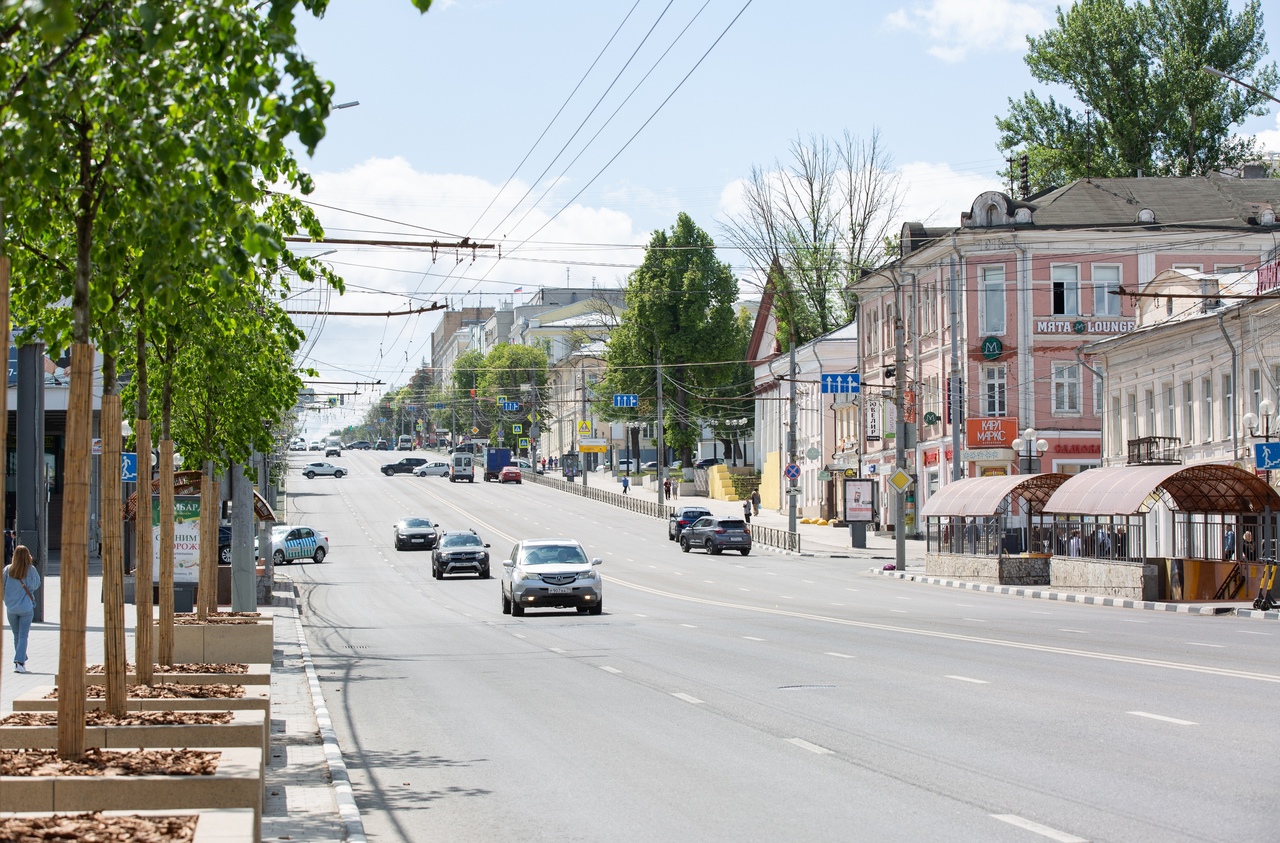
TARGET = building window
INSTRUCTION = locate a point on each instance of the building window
(1188, 412)
(1066, 290)
(994, 391)
(1228, 406)
(873, 332)
(1170, 411)
(1133, 415)
(1113, 425)
(1066, 388)
(1150, 398)
(1097, 395)
(1106, 285)
(1206, 409)
(1255, 390)
(1225, 268)
(991, 312)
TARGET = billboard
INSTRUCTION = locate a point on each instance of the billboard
(995, 432)
(857, 500)
(186, 538)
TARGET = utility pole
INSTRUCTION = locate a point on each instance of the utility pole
(793, 488)
(661, 434)
(582, 457)
(956, 420)
(900, 429)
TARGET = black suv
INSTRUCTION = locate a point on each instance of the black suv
(460, 552)
(405, 466)
(224, 544)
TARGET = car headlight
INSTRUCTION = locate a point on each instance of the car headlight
(587, 575)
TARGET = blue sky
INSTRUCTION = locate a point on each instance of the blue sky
(453, 100)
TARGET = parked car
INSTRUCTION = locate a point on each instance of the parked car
(289, 544)
(460, 552)
(629, 465)
(681, 517)
(510, 474)
(298, 444)
(524, 465)
(552, 573)
(716, 533)
(404, 466)
(710, 461)
(321, 469)
(413, 532)
(360, 445)
(381, 445)
(435, 468)
(224, 544)
(651, 465)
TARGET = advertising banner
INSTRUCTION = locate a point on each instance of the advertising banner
(186, 538)
(873, 419)
(995, 432)
(857, 500)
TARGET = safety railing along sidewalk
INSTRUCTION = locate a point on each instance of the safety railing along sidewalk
(761, 535)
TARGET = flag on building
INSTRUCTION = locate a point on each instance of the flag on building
(518, 290)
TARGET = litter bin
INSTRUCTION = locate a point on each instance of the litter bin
(858, 534)
(184, 597)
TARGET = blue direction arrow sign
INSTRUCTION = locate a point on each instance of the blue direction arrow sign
(623, 400)
(792, 471)
(842, 383)
(129, 467)
(510, 406)
(1266, 455)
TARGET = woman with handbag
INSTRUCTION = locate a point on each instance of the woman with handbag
(20, 579)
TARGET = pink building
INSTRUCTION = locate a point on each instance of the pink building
(1035, 280)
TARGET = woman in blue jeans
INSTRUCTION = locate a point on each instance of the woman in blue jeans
(21, 580)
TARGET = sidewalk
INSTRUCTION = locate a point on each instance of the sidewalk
(815, 539)
(303, 778)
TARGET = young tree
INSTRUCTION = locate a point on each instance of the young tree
(1146, 106)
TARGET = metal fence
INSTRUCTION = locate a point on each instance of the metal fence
(773, 537)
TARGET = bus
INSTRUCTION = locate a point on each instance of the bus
(405, 443)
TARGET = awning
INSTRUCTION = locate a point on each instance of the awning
(986, 495)
(1130, 490)
(188, 483)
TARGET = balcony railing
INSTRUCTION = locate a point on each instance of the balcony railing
(1155, 450)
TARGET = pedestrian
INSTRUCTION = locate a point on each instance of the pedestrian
(625, 483)
(675, 488)
(666, 486)
(544, 464)
(1073, 547)
(21, 579)
(746, 511)
(1229, 543)
(1246, 546)
(755, 501)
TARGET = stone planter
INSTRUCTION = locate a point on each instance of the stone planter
(216, 825)
(256, 698)
(217, 643)
(259, 674)
(237, 783)
(1115, 578)
(1008, 570)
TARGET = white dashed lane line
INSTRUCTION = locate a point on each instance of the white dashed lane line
(976, 620)
(555, 649)
(1198, 644)
(1037, 828)
(689, 625)
(967, 679)
(1163, 719)
(1075, 631)
(608, 669)
(751, 638)
(839, 655)
(687, 698)
(812, 747)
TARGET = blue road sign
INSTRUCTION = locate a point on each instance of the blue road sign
(623, 400)
(793, 472)
(510, 406)
(842, 383)
(1266, 455)
(129, 467)
(439, 406)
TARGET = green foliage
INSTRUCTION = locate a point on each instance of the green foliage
(1137, 68)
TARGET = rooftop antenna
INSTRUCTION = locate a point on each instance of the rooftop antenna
(1009, 161)
(1088, 145)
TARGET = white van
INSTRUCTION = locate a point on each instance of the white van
(405, 443)
(461, 467)
(333, 447)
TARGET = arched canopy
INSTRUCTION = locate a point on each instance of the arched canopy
(986, 495)
(188, 483)
(1131, 490)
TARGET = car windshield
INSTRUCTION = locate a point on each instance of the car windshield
(417, 522)
(561, 554)
(461, 540)
(694, 514)
(733, 525)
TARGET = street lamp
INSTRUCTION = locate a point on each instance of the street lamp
(1030, 449)
(1252, 424)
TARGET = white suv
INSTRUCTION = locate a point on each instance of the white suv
(551, 573)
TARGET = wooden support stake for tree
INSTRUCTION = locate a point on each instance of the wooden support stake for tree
(4, 404)
(166, 552)
(113, 554)
(143, 638)
(75, 555)
(208, 590)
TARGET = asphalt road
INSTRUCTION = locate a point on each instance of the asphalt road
(729, 698)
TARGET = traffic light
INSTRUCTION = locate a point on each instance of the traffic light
(473, 393)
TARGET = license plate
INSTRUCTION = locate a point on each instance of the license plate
(418, 539)
(559, 590)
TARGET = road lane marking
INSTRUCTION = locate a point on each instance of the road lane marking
(1252, 632)
(1076, 631)
(812, 747)
(900, 611)
(691, 626)
(516, 634)
(904, 598)
(976, 620)
(709, 582)
(1198, 644)
(839, 655)
(1163, 719)
(956, 636)
(851, 589)
(687, 698)
(555, 649)
(967, 679)
(785, 597)
(608, 669)
(837, 604)
(749, 638)
(810, 582)
(677, 573)
(1037, 828)
(1130, 620)
(641, 616)
(740, 588)
(1036, 612)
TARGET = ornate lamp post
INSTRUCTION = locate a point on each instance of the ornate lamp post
(1030, 450)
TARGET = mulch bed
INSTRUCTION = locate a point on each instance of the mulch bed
(192, 620)
(133, 718)
(98, 829)
(99, 762)
(165, 691)
(185, 667)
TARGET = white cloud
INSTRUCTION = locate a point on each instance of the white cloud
(936, 195)
(955, 28)
(1269, 139)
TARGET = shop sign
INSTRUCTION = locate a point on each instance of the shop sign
(995, 432)
(1084, 326)
(1269, 278)
(930, 457)
(1079, 448)
(931, 418)
(873, 419)
(987, 455)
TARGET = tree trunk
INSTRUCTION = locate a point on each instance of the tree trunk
(165, 652)
(75, 555)
(143, 637)
(112, 543)
(208, 590)
(4, 399)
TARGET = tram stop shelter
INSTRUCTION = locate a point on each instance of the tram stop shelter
(1163, 532)
(991, 529)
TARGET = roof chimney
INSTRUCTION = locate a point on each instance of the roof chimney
(1254, 170)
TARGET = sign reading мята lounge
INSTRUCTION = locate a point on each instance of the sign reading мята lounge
(1084, 326)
